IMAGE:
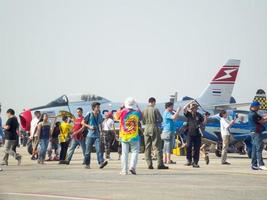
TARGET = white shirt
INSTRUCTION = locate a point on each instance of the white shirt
(34, 124)
(108, 124)
(225, 125)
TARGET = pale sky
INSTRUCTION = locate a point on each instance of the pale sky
(136, 48)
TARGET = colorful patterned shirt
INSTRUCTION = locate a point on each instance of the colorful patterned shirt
(129, 124)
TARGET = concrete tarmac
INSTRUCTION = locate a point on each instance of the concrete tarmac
(52, 181)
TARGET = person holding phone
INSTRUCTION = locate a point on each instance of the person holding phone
(169, 131)
(225, 133)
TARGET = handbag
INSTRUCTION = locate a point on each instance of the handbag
(165, 136)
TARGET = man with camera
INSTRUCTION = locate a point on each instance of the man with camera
(196, 123)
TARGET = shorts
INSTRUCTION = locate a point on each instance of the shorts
(169, 144)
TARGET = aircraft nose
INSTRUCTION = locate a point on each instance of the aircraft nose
(25, 120)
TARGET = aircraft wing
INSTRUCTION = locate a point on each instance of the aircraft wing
(228, 106)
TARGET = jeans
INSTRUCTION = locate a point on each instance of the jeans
(193, 141)
(1, 134)
(53, 145)
(73, 145)
(125, 152)
(43, 144)
(257, 148)
(90, 141)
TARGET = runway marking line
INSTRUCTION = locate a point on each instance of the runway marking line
(49, 196)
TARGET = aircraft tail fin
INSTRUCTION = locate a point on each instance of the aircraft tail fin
(220, 89)
(261, 97)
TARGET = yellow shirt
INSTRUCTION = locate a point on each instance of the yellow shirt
(65, 132)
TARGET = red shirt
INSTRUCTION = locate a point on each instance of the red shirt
(77, 126)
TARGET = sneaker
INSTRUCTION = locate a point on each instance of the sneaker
(123, 173)
(4, 163)
(171, 162)
(66, 162)
(150, 167)
(226, 163)
(195, 165)
(254, 167)
(61, 162)
(103, 164)
(56, 158)
(87, 167)
(188, 164)
(133, 172)
(262, 167)
(33, 158)
(49, 159)
(163, 167)
(19, 160)
(108, 158)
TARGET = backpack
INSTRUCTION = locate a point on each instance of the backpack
(86, 120)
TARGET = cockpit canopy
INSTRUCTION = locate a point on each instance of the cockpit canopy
(75, 98)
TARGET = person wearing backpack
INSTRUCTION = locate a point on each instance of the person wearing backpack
(43, 133)
(64, 138)
(92, 122)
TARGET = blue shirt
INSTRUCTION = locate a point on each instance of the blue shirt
(95, 122)
(168, 123)
(253, 119)
(1, 130)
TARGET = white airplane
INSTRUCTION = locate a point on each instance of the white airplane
(215, 97)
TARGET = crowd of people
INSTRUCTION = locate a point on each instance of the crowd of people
(58, 140)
